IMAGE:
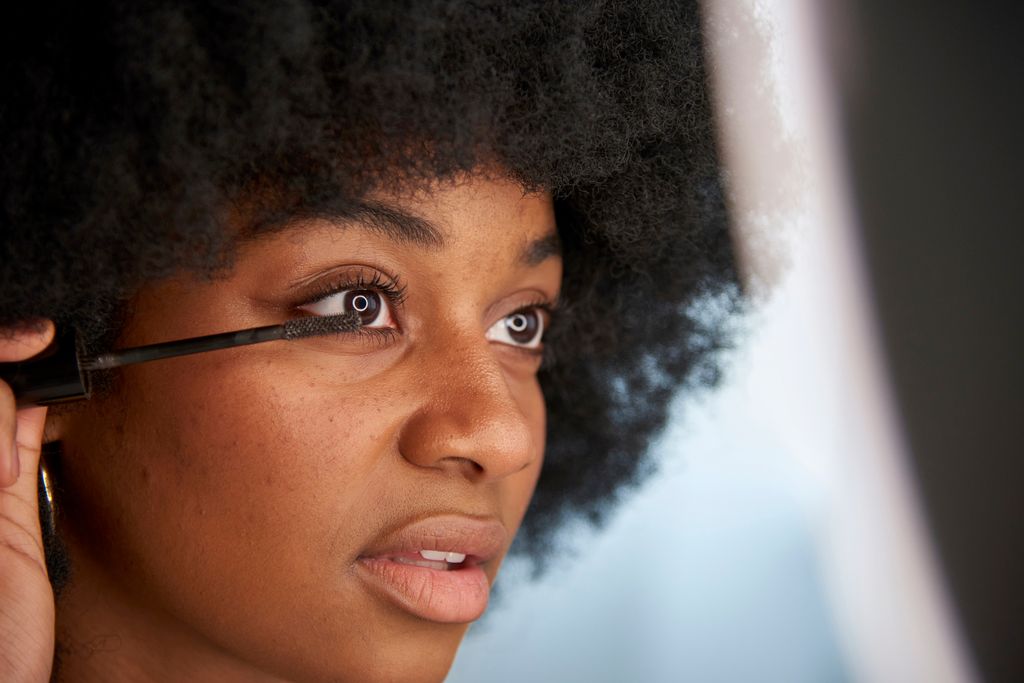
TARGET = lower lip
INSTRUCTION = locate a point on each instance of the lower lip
(451, 596)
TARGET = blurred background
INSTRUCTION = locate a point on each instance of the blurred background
(846, 506)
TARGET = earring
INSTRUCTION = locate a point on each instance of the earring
(58, 565)
(47, 506)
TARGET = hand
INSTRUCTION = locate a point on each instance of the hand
(26, 600)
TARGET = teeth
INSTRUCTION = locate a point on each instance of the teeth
(441, 556)
(421, 563)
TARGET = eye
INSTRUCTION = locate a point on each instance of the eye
(523, 329)
(373, 308)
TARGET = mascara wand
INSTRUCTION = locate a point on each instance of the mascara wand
(300, 328)
(61, 373)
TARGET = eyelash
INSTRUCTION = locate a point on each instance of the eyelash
(395, 293)
(391, 287)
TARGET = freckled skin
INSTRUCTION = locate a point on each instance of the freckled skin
(215, 504)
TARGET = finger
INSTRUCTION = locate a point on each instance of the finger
(28, 450)
(18, 343)
(21, 435)
(25, 340)
(18, 494)
(10, 466)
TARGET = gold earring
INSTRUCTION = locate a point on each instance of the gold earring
(47, 506)
(58, 566)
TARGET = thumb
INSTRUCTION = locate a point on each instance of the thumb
(25, 339)
(21, 431)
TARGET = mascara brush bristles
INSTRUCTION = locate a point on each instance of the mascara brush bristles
(300, 328)
(317, 325)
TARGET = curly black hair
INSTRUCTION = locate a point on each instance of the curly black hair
(129, 127)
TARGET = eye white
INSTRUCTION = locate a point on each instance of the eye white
(518, 322)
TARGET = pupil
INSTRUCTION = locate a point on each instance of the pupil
(365, 303)
(522, 327)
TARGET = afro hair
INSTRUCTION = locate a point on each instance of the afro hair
(130, 128)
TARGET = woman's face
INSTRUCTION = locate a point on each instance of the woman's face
(222, 510)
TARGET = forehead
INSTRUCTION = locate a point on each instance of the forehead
(446, 216)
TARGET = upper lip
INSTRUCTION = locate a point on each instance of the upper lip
(480, 539)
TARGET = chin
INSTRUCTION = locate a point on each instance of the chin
(416, 656)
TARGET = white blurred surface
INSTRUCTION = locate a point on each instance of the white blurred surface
(886, 590)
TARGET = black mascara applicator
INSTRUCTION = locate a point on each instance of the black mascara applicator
(61, 373)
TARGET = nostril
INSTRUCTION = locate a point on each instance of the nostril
(465, 466)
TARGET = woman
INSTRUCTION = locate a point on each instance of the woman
(521, 203)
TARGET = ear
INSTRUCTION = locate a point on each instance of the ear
(57, 419)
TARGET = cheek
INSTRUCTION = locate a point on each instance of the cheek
(258, 455)
(517, 490)
(536, 414)
(222, 477)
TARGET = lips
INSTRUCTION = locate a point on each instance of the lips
(457, 594)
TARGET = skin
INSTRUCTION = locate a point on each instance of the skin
(26, 602)
(214, 506)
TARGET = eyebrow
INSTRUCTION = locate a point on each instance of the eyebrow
(400, 225)
(403, 226)
(386, 219)
(539, 250)
(397, 224)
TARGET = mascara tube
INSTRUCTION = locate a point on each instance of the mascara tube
(52, 376)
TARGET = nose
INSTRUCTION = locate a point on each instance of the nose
(472, 421)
